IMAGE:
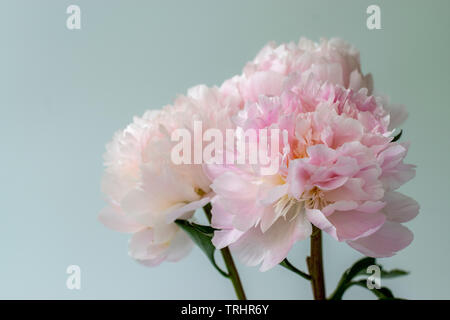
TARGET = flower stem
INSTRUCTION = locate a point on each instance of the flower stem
(285, 263)
(231, 267)
(315, 265)
(234, 275)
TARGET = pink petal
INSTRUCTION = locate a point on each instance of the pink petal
(180, 246)
(142, 246)
(187, 210)
(223, 238)
(321, 154)
(400, 208)
(351, 225)
(266, 83)
(371, 206)
(343, 205)
(221, 217)
(275, 193)
(389, 239)
(297, 177)
(114, 218)
(231, 185)
(271, 247)
(136, 204)
(317, 218)
(346, 225)
(394, 178)
(398, 115)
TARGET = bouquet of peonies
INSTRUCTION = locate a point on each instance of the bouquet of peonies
(297, 144)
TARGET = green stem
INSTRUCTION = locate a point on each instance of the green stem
(231, 267)
(234, 275)
(285, 263)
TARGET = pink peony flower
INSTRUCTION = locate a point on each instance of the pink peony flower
(333, 60)
(338, 165)
(146, 191)
(339, 169)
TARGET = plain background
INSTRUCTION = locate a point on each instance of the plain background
(64, 93)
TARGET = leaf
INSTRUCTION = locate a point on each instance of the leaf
(382, 294)
(285, 263)
(202, 235)
(349, 274)
(358, 266)
(398, 136)
(387, 274)
(206, 230)
(393, 273)
(359, 269)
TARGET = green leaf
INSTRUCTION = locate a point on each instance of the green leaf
(360, 269)
(393, 273)
(285, 263)
(386, 274)
(349, 274)
(398, 136)
(202, 235)
(382, 294)
(358, 266)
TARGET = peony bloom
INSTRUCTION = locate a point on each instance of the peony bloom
(339, 167)
(146, 191)
(333, 60)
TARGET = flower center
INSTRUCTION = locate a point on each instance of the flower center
(200, 192)
(314, 199)
(290, 207)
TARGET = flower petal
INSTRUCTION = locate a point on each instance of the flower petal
(400, 208)
(114, 218)
(389, 239)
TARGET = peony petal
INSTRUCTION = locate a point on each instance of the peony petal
(114, 218)
(371, 206)
(351, 225)
(394, 178)
(398, 115)
(280, 238)
(231, 184)
(271, 247)
(267, 83)
(137, 205)
(317, 218)
(274, 194)
(321, 154)
(223, 238)
(185, 211)
(221, 217)
(297, 178)
(143, 247)
(180, 246)
(389, 239)
(343, 205)
(400, 208)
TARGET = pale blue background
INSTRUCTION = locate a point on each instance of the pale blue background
(63, 94)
